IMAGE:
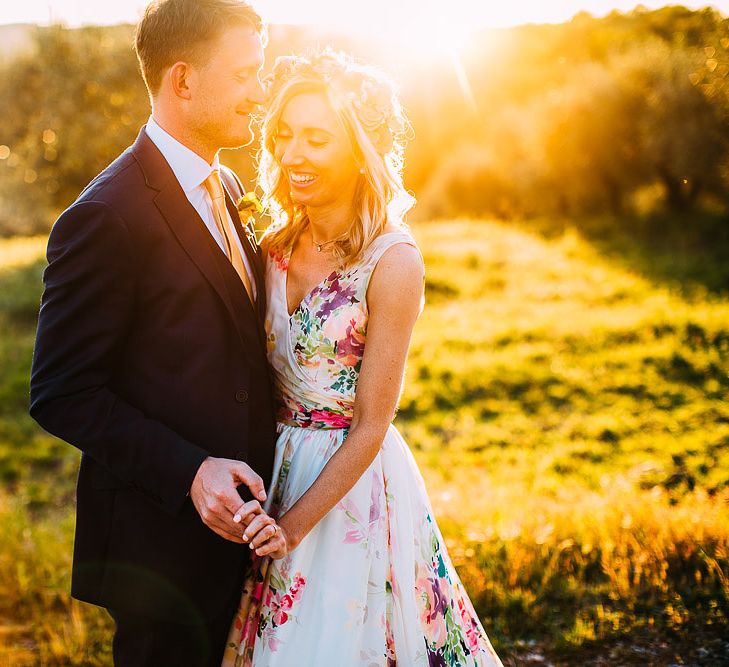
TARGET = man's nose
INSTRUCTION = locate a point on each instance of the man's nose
(257, 95)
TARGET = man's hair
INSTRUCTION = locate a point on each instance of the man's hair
(175, 30)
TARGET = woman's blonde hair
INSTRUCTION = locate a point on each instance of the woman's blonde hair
(366, 104)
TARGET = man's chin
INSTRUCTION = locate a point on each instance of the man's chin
(240, 140)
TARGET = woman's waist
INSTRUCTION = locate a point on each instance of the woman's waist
(319, 417)
(294, 426)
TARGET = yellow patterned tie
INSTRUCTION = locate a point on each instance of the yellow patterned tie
(215, 190)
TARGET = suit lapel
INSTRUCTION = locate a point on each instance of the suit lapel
(186, 225)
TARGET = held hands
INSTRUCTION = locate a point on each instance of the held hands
(265, 536)
(216, 499)
(214, 495)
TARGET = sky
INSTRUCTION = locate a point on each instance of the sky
(457, 15)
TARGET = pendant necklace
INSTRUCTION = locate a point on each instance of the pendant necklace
(324, 244)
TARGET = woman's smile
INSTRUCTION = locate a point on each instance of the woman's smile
(301, 179)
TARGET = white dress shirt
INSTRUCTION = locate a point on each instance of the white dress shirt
(191, 171)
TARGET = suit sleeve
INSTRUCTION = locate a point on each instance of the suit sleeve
(86, 311)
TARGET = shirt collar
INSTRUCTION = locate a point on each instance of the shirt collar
(189, 168)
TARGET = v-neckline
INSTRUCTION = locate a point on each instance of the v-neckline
(306, 296)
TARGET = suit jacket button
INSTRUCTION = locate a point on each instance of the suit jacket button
(241, 396)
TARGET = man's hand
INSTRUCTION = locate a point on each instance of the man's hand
(214, 495)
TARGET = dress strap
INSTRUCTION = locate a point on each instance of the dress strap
(384, 242)
(376, 249)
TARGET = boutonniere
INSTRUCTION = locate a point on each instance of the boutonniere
(249, 202)
(249, 205)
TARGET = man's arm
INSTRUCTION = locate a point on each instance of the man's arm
(85, 314)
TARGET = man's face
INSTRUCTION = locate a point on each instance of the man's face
(225, 88)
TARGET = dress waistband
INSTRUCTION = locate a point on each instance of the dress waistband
(319, 419)
(311, 427)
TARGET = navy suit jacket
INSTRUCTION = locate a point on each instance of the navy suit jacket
(150, 357)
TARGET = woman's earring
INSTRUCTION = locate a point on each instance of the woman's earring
(361, 170)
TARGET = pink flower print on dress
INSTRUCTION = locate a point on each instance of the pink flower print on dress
(334, 327)
(297, 588)
(432, 609)
(280, 609)
(248, 635)
(354, 536)
(350, 349)
(279, 258)
(377, 487)
(331, 419)
(356, 533)
(278, 605)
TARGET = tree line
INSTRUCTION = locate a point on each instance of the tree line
(626, 113)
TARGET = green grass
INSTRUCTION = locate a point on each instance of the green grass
(39, 623)
(568, 410)
(571, 419)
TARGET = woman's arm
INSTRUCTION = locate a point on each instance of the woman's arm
(394, 299)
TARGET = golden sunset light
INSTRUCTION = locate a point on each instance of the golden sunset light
(195, 207)
(370, 17)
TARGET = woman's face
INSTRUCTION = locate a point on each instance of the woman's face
(315, 153)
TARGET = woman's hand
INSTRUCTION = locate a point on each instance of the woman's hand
(268, 538)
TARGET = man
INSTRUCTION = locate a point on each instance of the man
(150, 352)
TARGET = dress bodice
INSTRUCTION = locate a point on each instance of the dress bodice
(316, 352)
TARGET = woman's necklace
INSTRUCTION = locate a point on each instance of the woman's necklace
(324, 244)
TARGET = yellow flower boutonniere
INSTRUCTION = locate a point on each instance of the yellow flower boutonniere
(249, 202)
(249, 205)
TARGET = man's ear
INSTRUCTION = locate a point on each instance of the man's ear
(179, 77)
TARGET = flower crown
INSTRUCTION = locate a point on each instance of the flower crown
(371, 94)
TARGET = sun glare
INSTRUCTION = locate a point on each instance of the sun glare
(436, 36)
(442, 41)
(425, 38)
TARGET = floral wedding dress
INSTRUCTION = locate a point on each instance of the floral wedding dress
(372, 583)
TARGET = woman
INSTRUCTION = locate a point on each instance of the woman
(355, 572)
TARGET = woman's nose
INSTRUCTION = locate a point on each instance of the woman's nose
(291, 155)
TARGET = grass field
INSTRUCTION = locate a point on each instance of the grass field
(570, 417)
